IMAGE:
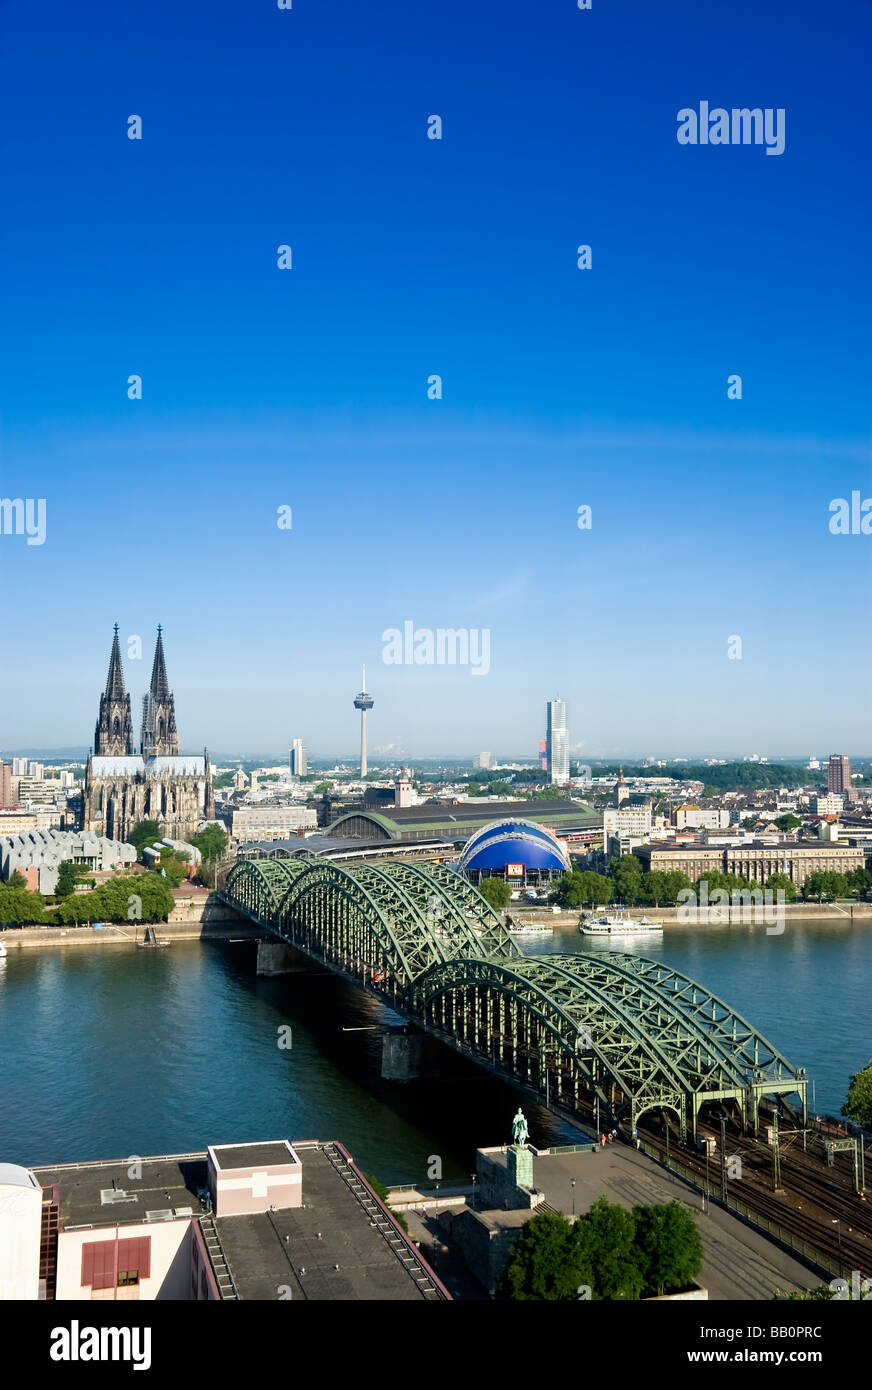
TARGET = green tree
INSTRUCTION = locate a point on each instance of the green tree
(749, 822)
(788, 822)
(668, 1247)
(826, 885)
(626, 874)
(859, 881)
(604, 1240)
(144, 832)
(547, 1262)
(66, 879)
(19, 907)
(784, 883)
(497, 892)
(211, 842)
(321, 788)
(858, 1106)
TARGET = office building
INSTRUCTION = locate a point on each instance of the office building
(839, 774)
(298, 758)
(557, 742)
(6, 785)
(272, 822)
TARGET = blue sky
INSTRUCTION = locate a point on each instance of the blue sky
(411, 257)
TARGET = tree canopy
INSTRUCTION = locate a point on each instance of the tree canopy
(858, 1106)
(497, 892)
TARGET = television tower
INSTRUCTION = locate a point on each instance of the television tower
(363, 702)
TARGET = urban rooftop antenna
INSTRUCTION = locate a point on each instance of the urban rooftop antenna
(363, 702)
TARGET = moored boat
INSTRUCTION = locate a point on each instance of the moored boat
(617, 924)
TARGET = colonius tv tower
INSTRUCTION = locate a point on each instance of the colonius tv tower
(363, 702)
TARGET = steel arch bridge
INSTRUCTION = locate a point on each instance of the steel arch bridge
(621, 1033)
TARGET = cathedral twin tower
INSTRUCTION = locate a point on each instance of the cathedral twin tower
(113, 736)
(122, 787)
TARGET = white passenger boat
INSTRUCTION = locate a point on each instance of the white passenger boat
(610, 924)
(531, 929)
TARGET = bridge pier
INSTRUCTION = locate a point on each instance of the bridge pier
(277, 958)
(408, 1055)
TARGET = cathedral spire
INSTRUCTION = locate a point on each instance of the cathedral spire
(160, 737)
(159, 687)
(115, 689)
(113, 735)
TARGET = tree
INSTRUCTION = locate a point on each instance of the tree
(626, 874)
(144, 833)
(788, 822)
(782, 883)
(859, 881)
(749, 822)
(603, 1239)
(497, 892)
(549, 793)
(211, 842)
(668, 1247)
(18, 907)
(66, 879)
(322, 788)
(547, 1263)
(825, 885)
(858, 1106)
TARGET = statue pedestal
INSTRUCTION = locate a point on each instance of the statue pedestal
(519, 1166)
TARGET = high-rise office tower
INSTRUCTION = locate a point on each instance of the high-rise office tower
(5, 785)
(298, 758)
(363, 702)
(839, 774)
(557, 742)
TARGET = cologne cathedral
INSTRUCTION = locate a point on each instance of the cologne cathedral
(123, 787)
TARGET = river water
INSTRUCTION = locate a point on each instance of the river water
(111, 1052)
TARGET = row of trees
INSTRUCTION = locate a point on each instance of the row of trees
(613, 1253)
(132, 898)
(627, 882)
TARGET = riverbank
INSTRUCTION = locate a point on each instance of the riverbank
(715, 916)
(114, 934)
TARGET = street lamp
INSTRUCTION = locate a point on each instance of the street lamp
(837, 1223)
(472, 1175)
(572, 1185)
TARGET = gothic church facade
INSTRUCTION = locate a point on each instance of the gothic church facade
(123, 787)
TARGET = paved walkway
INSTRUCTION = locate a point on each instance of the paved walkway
(738, 1263)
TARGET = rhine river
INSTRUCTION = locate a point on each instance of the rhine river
(109, 1052)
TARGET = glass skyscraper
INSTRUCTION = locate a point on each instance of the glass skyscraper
(557, 742)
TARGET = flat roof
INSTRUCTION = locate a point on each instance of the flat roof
(300, 1247)
(170, 1184)
(254, 1155)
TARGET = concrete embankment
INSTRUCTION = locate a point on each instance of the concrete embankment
(207, 920)
(830, 913)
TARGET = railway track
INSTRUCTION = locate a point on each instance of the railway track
(816, 1203)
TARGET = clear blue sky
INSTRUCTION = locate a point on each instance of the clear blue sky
(411, 256)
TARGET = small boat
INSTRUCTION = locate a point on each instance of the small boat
(152, 939)
(3, 951)
(530, 929)
(618, 924)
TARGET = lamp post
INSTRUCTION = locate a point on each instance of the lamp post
(472, 1175)
(837, 1223)
(572, 1185)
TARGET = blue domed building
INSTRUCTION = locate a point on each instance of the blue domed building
(525, 854)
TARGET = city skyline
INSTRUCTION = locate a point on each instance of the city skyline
(286, 428)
